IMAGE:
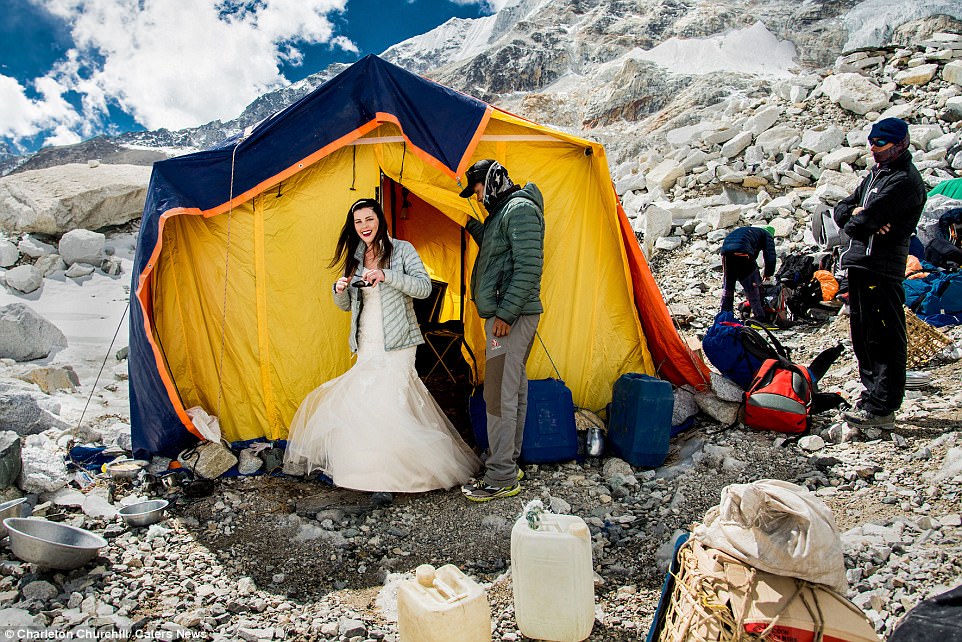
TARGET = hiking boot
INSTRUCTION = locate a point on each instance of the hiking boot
(482, 492)
(864, 419)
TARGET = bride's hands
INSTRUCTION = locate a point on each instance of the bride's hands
(341, 284)
(373, 276)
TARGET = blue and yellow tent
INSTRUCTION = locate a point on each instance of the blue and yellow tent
(232, 307)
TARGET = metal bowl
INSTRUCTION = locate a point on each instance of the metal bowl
(144, 513)
(51, 544)
(13, 508)
(129, 468)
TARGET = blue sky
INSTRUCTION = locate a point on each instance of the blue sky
(72, 69)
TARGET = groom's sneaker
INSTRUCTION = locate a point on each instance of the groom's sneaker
(480, 476)
(864, 419)
(482, 492)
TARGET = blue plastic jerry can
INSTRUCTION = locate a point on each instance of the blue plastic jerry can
(639, 419)
(550, 434)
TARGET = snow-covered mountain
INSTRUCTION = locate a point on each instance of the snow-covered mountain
(591, 66)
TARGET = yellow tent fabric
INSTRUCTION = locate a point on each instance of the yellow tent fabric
(252, 288)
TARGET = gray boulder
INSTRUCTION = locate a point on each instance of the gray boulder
(65, 197)
(50, 263)
(855, 92)
(25, 335)
(112, 266)
(82, 246)
(33, 248)
(24, 278)
(23, 412)
(822, 139)
(43, 466)
(777, 139)
(79, 270)
(50, 379)
(9, 254)
(9, 458)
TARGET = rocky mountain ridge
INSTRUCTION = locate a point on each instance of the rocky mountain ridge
(573, 63)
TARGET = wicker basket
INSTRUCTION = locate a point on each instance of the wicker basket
(924, 341)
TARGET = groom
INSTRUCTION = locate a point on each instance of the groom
(506, 289)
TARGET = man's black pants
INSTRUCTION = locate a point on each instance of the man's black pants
(878, 338)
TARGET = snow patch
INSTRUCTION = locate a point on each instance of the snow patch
(754, 50)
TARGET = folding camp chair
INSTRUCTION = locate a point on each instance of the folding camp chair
(444, 341)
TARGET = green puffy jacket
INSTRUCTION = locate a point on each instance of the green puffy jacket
(506, 281)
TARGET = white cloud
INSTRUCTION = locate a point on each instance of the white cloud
(19, 112)
(345, 43)
(24, 117)
(62, 135)
(181, 63)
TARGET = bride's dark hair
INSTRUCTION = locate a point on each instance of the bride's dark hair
(349, 238)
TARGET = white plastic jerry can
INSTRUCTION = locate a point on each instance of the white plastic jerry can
(552, 575)
(442, 605)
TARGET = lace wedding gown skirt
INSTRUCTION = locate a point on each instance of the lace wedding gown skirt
(376, 427)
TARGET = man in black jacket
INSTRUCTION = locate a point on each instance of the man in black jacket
(880, 218)
(739, 264)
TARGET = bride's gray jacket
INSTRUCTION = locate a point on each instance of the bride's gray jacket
(405, 279)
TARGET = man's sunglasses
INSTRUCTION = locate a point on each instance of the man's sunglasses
(878, 142)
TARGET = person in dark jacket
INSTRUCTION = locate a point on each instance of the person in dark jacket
(739, 264)
(506, 289)
(880, 218)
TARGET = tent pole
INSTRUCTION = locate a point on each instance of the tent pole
(464, 248)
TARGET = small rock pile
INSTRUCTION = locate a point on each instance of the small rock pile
(78, 253)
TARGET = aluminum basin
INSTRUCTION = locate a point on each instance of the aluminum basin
(144, 513)
(51, 544)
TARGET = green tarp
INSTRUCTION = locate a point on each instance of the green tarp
(951, 188)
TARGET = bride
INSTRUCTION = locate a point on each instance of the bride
(376, 427)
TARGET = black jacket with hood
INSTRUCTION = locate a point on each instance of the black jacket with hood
(892, 194)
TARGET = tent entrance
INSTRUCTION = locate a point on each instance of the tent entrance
(445, 362)
(440, 242)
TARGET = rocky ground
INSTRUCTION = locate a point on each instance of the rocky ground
(274, 557)
(262, 558)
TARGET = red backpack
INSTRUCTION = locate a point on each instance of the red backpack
(779, 398)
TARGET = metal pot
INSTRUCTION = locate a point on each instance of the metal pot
(14, 508)
(144, 513)
(51, 544)
(128, 468)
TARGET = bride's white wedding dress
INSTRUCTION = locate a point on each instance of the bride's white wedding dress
(376, 427)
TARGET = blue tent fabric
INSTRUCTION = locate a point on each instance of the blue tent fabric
(334, 110)
(437, 120)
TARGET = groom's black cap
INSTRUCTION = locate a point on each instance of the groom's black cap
(475, 174)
